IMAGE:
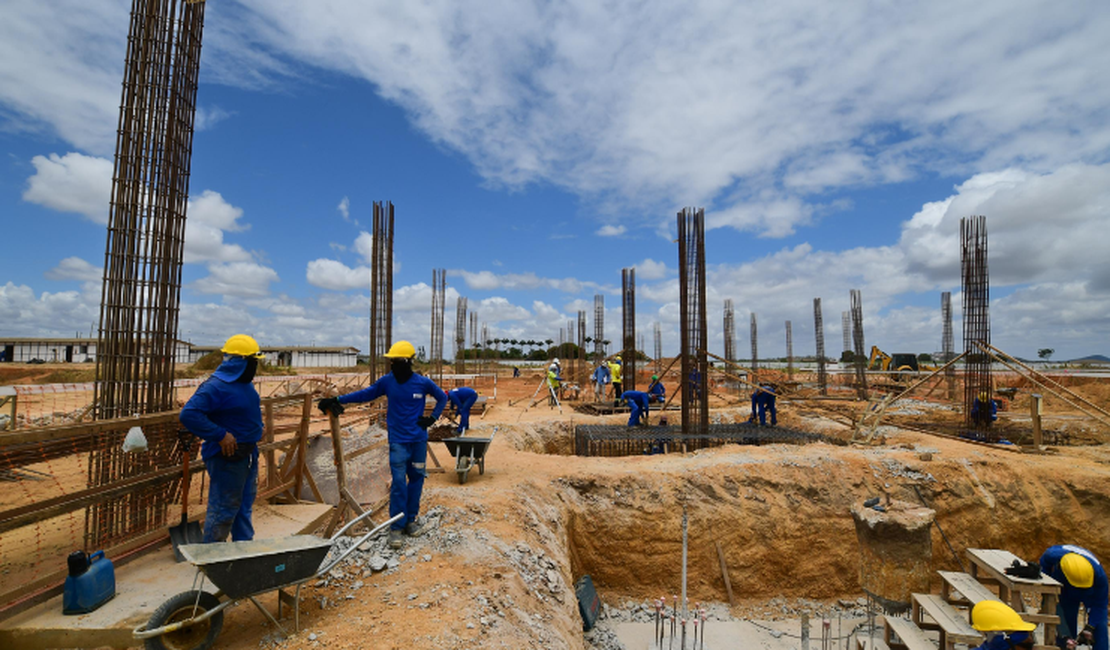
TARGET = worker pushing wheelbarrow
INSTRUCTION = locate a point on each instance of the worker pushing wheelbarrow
(469, 452)
(192, 619)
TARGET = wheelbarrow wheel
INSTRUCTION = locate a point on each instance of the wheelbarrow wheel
(183, 607)
(463, 468)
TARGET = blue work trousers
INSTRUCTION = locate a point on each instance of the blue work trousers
(766, 405)
(464, 413)
(407, 462)
(1068, 611)
(637, 412)
(233, 485)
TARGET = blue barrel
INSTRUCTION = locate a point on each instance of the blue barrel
(89, 584)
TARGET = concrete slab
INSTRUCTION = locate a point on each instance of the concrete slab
(141, 586)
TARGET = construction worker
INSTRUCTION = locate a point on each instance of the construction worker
(556, 366)
(1010, 631)
(600, 378)
(984, 410)
(615, 373)
(637, 400)
(554, 383)
(408, 433)
(226, 414)
(657, 391)
(1084, 581)
(767, 404)
(461, 400)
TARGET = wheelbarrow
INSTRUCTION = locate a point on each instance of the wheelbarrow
(469, 452)
(192, 619)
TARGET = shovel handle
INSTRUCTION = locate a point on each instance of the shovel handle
(185, 458)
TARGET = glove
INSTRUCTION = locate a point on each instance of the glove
(425, 421)
(331, 406)
(1030, 570)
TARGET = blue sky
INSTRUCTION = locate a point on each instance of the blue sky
(535, 149)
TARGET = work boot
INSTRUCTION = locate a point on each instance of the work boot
(395, 541)
(414, 528)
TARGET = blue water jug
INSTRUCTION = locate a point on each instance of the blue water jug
(91, 582)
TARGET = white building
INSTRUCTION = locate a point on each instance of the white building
(296, 356)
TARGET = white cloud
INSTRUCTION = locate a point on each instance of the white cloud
(488, 281)
(207, 218)
(649, 269)
(208, 117)
(344, 208)
(75, 268)
(48, 314)
(337, 276)
(240, 279)
(611, 231)
(72, 183)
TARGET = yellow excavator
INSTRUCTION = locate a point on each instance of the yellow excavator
(900, 362)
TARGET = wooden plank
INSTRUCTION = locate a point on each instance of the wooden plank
(724, 573)
(865, 643)
(971, 590)
(909, 634)
(994, 563)
(952, 624)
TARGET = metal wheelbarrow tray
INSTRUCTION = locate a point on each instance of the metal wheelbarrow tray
(192, 620)
(468, 452)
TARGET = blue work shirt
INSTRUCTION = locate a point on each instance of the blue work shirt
(601, 374)
(406, 404)
(1094, 598)
(636, 397)
(658, 390)
(1001, 642)
(460, 395)
(222, 405)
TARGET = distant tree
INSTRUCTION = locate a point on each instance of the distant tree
(1045, 353)
(925, 357)
(847, 356)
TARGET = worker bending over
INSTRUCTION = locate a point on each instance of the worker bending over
(1084, 581)
(601, 380)
(226, 414)
(461, 400)
(984, 410)
(1008, 628)
(657, 392)
(767, 405)
(637, 400)
(408, 433)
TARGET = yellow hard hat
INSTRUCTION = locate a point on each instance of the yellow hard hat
(243, 346)
(983, 396)
(1078, 570)
(996, 616)
(401, 350)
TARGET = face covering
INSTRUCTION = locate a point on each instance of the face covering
(248, 372)
(401, 369)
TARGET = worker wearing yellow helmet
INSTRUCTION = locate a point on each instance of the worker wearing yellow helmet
(225, 412)
(408, 433)
(1084, 581)
(1004, 627)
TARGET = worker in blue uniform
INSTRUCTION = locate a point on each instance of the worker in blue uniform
(637, 400)
(601, 379)
(984, 410)
(657, 392)
(408, 433)
(1005, 627)
(225, 412)
(767, 405)
(1084, 581)
(461, 400)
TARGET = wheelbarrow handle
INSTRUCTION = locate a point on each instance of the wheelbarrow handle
(347, 526)
(351, 549)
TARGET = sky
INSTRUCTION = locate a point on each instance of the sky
(534, 149)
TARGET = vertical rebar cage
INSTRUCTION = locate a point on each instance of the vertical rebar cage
(755, 346)
(977, 326)
(381, 287)
(460, 336)
(582, 376)
(789, 350)
(439, 285)
(141, 289)
(846, 329)
(599, 327)
(946, 345)
(628, 320)
(693, 326)
(859, 358)
(819, 335)
(730, 331)
(658, 348)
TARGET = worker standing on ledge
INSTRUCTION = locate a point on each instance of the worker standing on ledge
(461, 400)
(1084, 581)
(996, 616)
(408, 433)
(226, 414)
(615, 373)
(657, 392)
(637, 400)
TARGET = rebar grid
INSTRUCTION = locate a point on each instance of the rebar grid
(948, 350)
(141, 289)
(789, 351)
(819, 335)
(730, 331)
(381, 287)
(846, 328)
(617, 440)
(693, 326)
(460, 336)
(658, 331)
(859, 358)
(439, 287)
(977, 325)
(628, 321)
(599, 327)
(755, 345)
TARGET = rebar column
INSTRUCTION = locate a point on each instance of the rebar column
(693, 326)
(628, 320)
(846, 328)
(439, 287)
(658, 331)
(460, 336)
(583, 374)
(977, 325)
(487, 366)
(381, 286)
(474, 343)
(755, 346)
(141, 288)
(819, 334)
(789, 351)
(946, 345)
(730, 331)
(859, 358)
(599, 327)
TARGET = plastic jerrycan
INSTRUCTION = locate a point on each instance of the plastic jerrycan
(91, 582)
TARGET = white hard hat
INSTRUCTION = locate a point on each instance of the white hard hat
(556, 362)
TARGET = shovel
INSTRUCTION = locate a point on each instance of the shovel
(187, 532)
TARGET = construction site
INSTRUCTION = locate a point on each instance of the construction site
(884, 498)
